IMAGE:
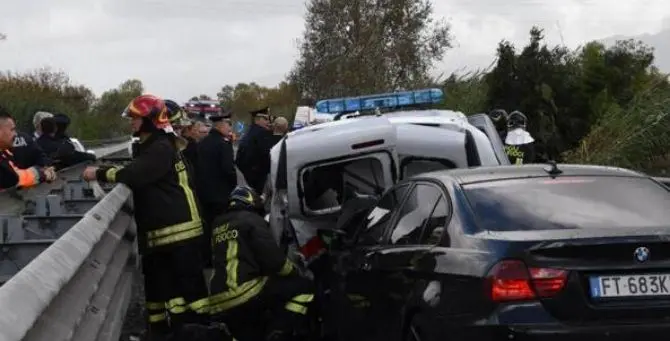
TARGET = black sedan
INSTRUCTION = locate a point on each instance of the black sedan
(530, 252)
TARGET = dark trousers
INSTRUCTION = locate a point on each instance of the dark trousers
(255, 180)
(275, 314)
(174, 287)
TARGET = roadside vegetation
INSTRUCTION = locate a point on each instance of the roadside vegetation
(593, 104)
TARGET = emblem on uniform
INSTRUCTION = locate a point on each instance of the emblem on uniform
(641, 254)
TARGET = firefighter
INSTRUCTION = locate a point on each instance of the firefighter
(253, 153)
(216, 174)
(167, 217)
(252, 275)
(181, 125)
(519, 144)
(13, 178)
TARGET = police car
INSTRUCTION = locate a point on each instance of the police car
(318, 168)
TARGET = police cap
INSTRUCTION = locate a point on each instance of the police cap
(220, 117)
(264, 112)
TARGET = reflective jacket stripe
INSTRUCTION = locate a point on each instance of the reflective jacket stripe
(238, 296)
(179, 232)
(27, 177)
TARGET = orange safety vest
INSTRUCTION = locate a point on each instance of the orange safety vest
(27, 177)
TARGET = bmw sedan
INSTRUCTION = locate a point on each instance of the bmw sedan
(533, 252)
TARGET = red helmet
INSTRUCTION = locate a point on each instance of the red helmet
(151, 107)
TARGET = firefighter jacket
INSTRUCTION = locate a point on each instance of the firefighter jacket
(166, 211)
(245, 256)
(13, 177)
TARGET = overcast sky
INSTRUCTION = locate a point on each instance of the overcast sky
(180, 48)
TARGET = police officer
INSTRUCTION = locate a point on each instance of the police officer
(252, 275)
(215, 173)
(167, 217)
(253, 153)
(519, 144)
(27, 152)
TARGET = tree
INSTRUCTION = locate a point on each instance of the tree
(362, 46)
(111, 104)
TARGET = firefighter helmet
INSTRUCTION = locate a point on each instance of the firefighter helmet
(244, 197)
(517, 119)
(151, 108)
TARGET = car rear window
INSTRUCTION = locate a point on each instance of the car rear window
(569, 202)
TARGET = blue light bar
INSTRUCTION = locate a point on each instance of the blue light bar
(381, 101)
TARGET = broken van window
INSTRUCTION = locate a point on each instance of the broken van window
(328, 186)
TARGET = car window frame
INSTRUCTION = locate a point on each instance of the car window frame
(361, 229)
(410, 159)
(444, 193)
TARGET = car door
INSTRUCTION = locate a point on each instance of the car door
(357, 289)
(483, 122)
(400, 265)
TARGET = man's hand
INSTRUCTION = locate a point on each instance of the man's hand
(89, 173)
(50, 174)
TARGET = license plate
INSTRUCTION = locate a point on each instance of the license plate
(630, 285)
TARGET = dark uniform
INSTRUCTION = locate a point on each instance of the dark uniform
(216, 177)
(253, 153)
(216, 172)
(169, 226)
(27, 153)
(67, 155)
(252, 275)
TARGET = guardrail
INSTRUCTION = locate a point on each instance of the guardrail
(79, 287)
(67, 263)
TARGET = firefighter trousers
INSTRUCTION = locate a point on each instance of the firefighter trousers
(174, 286)
(281, 307)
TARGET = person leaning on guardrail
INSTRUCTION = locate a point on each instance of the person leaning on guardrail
(168, 220)
(11, 176)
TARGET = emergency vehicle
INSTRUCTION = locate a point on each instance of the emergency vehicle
(203, 108)
(317, 168)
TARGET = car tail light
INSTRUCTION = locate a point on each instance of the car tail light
(511, 280)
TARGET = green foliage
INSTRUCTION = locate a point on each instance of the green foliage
(243, 98)
(43, 89)
(353, 47)
(572, 95)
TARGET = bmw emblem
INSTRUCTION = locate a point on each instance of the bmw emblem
(641, 254)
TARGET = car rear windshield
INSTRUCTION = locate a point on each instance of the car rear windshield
(569, 202)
